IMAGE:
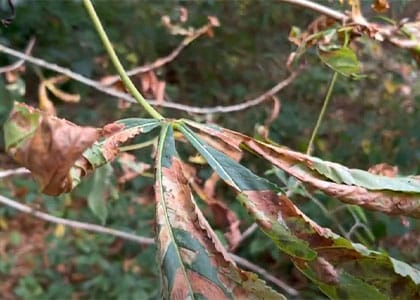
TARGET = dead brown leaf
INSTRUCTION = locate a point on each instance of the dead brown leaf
(380, 6)
(152, 86)
(183, 14)
(116, 134)
(130, 167)
(384, 170)
(45, 104)
(52, 150)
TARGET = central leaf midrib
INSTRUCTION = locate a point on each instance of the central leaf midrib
(163, 203)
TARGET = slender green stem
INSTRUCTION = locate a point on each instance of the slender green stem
(322, 113)
(116, 62)
(137, 146)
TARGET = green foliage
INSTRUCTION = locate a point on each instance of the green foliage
(370, 121)
(342, 60)
(101, 183)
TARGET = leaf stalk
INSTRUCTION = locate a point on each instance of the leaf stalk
(116, 62)
(322, 113)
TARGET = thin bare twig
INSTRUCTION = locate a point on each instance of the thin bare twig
(135, 238)
(339, 16)
(246, 234)
(163, 60)
(382, 32)
(75, 224)
(11, 172)
(250, 266)
(113, 92)
(20, 62)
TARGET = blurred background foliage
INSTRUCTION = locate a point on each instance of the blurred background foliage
(369, 121)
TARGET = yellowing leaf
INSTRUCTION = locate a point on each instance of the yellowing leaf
(45, 104)
(197, 159)
(59, 231)
(3, 224)
(63, 96)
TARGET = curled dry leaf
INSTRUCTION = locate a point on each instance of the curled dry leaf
(152, 86)
(384, 169)
(44, 102)
(183, 14)
(49, 84)
(309, 37)
(130, 167)
(193, 261)
(395, 196)
(213, 21)
(380, 6)
(264, 130)
(47, 146)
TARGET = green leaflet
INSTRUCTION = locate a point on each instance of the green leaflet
(194, 264)
(145, 124)
(349, 287)
(342, 60)
(255, 191)
(100, 191)
(342, 174)
(229, 170)
(9, 93)
(21, 124)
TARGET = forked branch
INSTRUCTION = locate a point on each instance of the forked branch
(126, 97)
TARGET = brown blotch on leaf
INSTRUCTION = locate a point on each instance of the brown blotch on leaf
(112, 128)
(51, 152)
(325, 271)
(114, 140)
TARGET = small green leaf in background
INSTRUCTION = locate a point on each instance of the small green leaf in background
(18, 132)
(99, 192)
(342, 60)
